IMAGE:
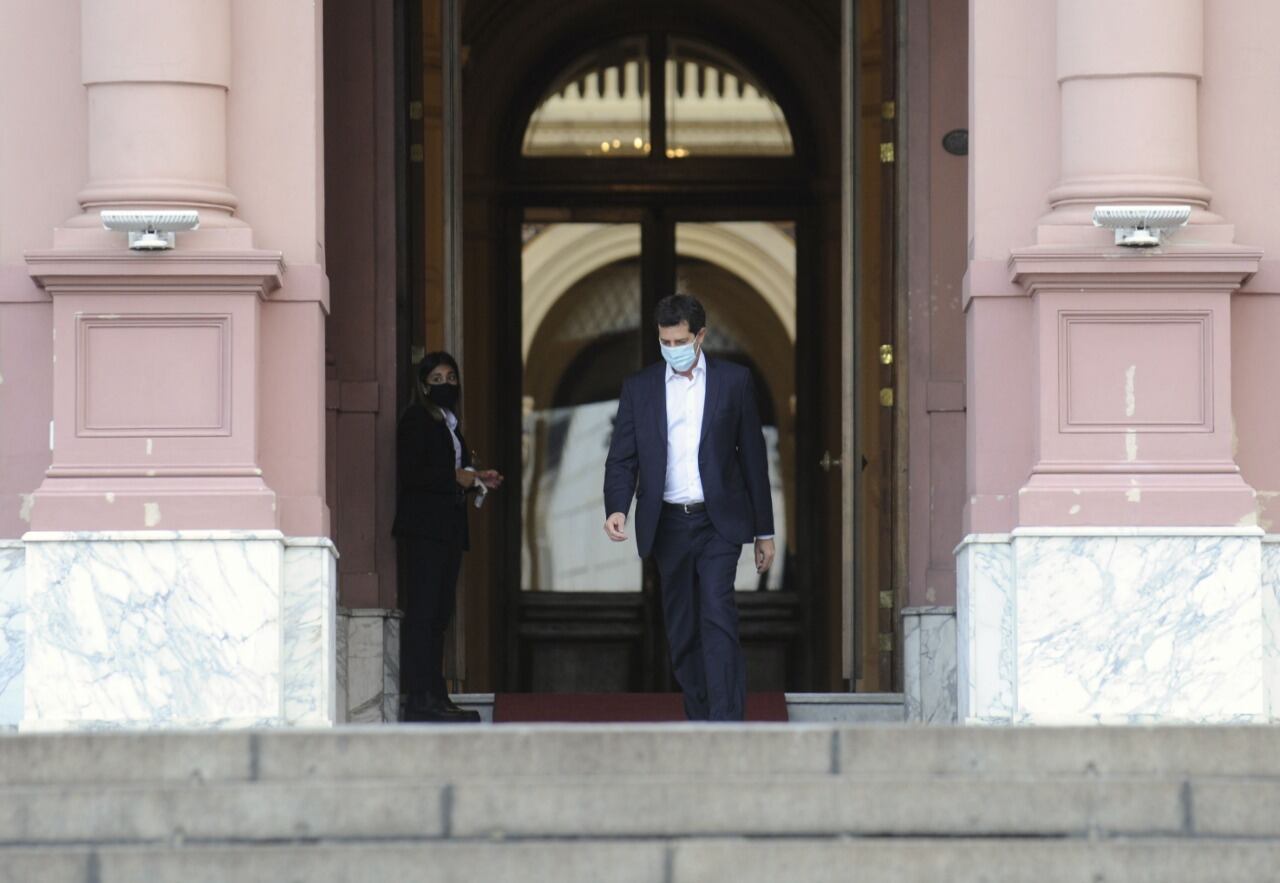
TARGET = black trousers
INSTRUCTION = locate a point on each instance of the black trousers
(432, 588)
(697, 567)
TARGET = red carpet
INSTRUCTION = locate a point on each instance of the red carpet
(580, 708)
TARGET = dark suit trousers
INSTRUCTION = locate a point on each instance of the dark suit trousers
(432, 587)
(697, 567)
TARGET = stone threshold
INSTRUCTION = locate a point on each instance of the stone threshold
(801, 707)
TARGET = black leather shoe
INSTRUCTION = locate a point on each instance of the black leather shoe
(432, 709)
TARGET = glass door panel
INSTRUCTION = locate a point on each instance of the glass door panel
(744, 273)
(581, 320)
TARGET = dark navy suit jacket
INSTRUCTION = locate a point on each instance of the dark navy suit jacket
(731, 457)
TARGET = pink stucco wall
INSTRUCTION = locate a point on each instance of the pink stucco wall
(1239, 131)
(1013, 162)
(275, 166)
(43, 156)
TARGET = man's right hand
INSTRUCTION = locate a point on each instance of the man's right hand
(616, 526)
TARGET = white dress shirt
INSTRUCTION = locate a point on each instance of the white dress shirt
(451, 421)
(686, 399)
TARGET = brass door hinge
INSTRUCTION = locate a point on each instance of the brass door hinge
(886, 354)
(415, 110)
(888, 110)
(886, 396)
(415, 153)
(886, 600)
(886, 151)
(886, 642)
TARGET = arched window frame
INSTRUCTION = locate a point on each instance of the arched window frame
(781, 171)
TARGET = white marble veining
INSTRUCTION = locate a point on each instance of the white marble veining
(153, 631)
(13, 603)
(343, 704)
(986, 630)
(1136, 627)
(391, 669)
(1271, 624)
(372, 655)
(929, 664)
(309, 630)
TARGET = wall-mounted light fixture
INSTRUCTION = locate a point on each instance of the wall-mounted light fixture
(151, 230)
(1141, 226)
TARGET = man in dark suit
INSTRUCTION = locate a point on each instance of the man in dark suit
(687, 444)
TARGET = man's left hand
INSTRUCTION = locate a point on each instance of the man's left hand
(764, 555)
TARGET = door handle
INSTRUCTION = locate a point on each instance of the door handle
(827, 462)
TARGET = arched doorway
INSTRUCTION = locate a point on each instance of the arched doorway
(673, 199)
(685, 112)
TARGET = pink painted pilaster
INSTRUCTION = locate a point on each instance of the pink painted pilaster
(1133, 392)
(155, 389)
(1012, 164)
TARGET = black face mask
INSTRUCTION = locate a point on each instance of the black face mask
(443, 395)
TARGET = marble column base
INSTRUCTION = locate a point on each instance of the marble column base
(1118, 625)
(202, 629)
(369, 665)
(13, 637)
(929, 664)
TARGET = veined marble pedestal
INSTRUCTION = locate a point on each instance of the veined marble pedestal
(1136, 625)
(929, 664)
(369, 665)
(178, 629)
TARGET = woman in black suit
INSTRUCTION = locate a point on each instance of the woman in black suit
(431, 525)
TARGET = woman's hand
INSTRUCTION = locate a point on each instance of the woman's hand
(491, 478)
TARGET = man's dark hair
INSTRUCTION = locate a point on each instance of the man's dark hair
(676, 308)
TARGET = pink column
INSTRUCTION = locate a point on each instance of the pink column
(156, 77)
(1132, 348)
(157, 355)
(1129, 76)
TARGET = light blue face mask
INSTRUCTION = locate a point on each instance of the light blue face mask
(680, 358)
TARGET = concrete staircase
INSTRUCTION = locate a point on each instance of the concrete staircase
(660, 804)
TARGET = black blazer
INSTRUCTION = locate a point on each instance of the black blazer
(731, 456)
(430, 502)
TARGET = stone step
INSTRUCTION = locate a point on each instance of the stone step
(664, 807)
(977, 861)
(645, 861)
(469, 753)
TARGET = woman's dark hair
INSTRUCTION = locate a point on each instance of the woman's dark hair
(429, 363)
(676, 308)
